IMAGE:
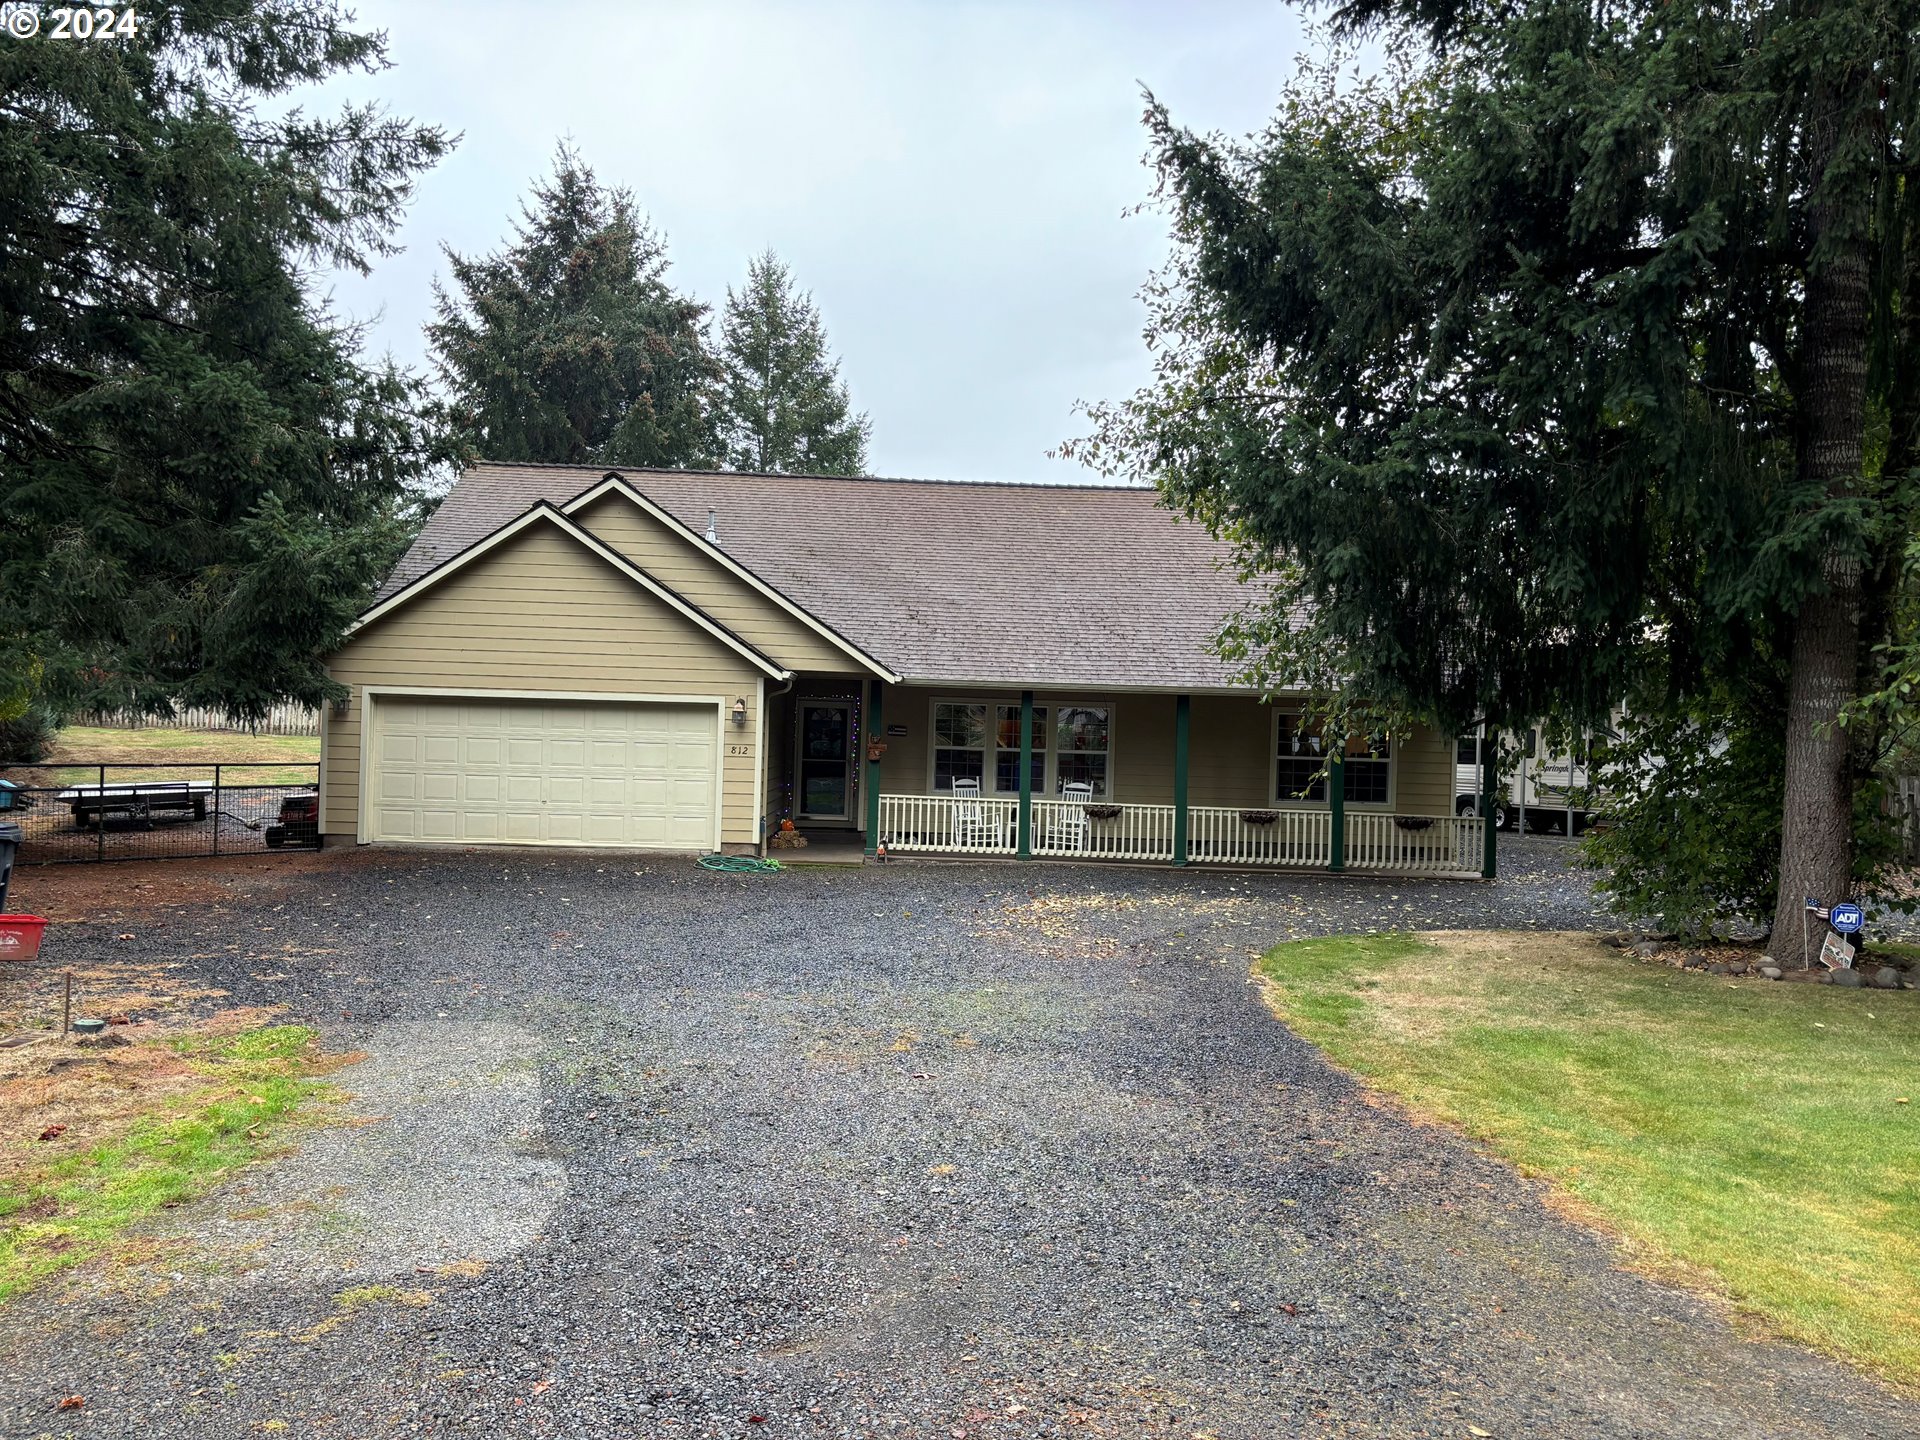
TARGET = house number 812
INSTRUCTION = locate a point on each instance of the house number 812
(739, 750)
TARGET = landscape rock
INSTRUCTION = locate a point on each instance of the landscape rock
(1772, 972)
(1847, 979)
(1887, 978)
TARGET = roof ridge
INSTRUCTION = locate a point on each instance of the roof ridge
(603, 470)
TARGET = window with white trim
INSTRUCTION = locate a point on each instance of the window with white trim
(1006, 760)
(1082, 746)
(1369, 767)
(1296, 774)
(960, 743)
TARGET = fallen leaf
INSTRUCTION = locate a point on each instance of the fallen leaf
(1290, 1309)
(74, 1402)
(540, 1387)
(1903, 1100)
(1476, 1430)
(53, 1132)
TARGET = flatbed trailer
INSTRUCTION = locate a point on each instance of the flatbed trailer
(137, 800)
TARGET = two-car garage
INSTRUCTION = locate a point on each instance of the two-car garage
(476, 770)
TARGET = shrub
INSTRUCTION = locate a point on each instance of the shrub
(24, 738)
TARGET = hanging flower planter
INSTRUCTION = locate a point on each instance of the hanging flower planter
(1103, 812)
(1259, 817)
(1413, 822)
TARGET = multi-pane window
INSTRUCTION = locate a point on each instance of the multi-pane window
(1302, 755)
(1297, 775)
(1369, 759)
(960, 744)
(982, 742)
(1006, 760)
(1082, 741)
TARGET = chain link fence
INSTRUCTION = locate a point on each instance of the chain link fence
(160, 812)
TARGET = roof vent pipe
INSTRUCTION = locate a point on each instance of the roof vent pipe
(713, 527)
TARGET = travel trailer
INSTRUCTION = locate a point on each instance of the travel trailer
(1545, 793)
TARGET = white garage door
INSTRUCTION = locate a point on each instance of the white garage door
(515, 772)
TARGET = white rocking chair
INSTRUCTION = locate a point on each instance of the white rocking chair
(974, 825)
(1068, 832)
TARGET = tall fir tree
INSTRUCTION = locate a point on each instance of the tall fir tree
(783, 406)
(1572, 362)
(569, 346)
(200, 481)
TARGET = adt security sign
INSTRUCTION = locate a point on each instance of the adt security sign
(1847, 919)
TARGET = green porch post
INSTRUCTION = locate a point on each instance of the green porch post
(1490, 835)
(1025, 847)
(874, 731)
(1182, 726)
(1337, 798)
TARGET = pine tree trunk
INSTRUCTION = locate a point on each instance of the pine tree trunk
(1816, 838)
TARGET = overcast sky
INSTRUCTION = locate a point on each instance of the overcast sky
(948, 178)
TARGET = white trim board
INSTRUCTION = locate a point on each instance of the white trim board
(616, 483)
(544, 511)
(369, 695)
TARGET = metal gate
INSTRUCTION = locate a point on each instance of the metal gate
(159, 811)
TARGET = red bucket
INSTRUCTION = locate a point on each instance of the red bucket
(20, 936)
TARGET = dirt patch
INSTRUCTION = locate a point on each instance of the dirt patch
(94, 1095)
(123, 889)
(136, 992)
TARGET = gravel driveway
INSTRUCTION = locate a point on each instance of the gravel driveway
(928, 1150)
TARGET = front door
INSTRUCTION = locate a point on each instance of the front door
(825, 766)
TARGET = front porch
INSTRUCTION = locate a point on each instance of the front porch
(1206, 834)
(1175, 779)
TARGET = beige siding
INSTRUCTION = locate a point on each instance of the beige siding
(675, 562)
(541, 613)
(1229, 761)
(1424, 783)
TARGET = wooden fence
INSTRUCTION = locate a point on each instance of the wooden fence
(281, 720)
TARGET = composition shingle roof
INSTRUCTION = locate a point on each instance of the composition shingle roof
(1040, 585)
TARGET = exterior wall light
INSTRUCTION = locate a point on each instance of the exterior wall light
(739, 713)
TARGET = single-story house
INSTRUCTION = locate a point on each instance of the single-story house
(683, 660)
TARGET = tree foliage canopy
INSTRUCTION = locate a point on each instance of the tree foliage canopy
(200, 482)
(1569, 361)
(782, 404)
(569, 346)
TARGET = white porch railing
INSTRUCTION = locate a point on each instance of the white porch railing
(1216, 834)
(940, 823)
(1137, 832)
(1440, 844)
(1291, 837)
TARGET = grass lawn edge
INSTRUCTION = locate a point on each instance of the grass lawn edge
(1332, 1014)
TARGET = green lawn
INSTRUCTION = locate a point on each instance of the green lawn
(1761, 1137)
(79, 750)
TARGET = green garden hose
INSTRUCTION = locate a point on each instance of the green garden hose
(739, 864)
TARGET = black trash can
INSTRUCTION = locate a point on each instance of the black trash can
(9, 847)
